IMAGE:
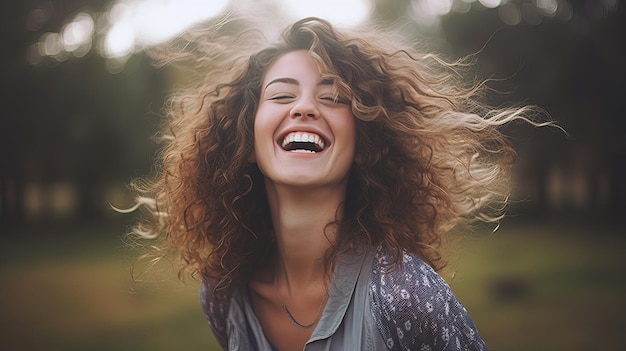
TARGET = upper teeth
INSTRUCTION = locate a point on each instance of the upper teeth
(303, 137)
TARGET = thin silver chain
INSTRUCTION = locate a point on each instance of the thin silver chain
(293, 319)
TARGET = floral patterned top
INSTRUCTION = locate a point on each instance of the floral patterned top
(408, 308)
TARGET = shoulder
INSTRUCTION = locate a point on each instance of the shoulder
(412, 282)
(414, 308)
(215, 307)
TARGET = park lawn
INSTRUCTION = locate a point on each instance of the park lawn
(546, 287)
(77, 294)
(527, 287)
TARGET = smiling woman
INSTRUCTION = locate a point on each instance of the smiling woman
(297, 104)
(312, 183)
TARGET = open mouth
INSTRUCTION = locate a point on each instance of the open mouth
(303, 142)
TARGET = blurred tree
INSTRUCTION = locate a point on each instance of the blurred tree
(574, 69)
(74, 122)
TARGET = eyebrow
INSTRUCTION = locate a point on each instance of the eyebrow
(296, 82)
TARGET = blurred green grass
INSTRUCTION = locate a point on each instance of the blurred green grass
(551, 287)
(530, 287)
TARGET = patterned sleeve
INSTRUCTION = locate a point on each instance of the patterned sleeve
(215, 307)
(414, 308)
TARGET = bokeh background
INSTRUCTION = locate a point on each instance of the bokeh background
(80, 103)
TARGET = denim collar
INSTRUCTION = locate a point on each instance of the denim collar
(340, 293)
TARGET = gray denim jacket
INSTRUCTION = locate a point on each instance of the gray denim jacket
(369, 308)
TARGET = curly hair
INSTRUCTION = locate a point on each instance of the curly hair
(430, 154)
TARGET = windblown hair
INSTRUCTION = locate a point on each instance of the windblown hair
(430, 155)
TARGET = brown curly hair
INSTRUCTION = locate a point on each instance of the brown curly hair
(430, 154)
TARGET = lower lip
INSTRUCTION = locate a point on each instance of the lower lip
(303, 154)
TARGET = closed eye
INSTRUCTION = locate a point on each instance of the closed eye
(334, 100)
(281, 97)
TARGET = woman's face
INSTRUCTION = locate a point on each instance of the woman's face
(304, 135)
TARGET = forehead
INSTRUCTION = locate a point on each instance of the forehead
(294, 64)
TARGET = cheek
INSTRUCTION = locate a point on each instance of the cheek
(348, 126)
(351, 134)
(263, 121)
(263, 129)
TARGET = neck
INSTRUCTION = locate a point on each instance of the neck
(300, 218)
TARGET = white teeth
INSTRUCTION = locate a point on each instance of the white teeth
(303, 137)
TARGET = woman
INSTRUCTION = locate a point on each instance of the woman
(313, 185)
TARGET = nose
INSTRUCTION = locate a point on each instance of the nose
(305, 107)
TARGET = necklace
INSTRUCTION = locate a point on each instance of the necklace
(293, 319)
